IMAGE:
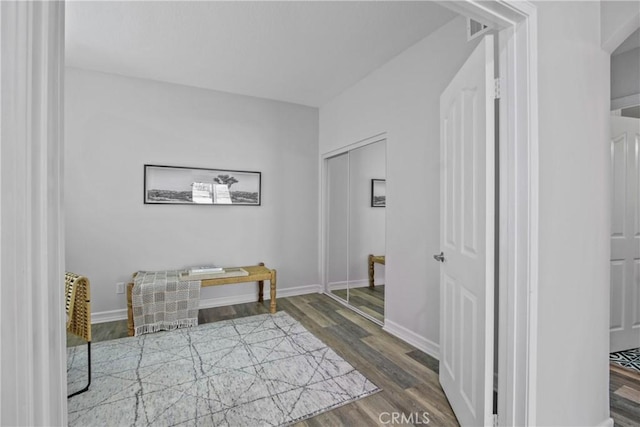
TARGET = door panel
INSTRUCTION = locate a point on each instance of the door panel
(469, 169)
(449, 182)
(447, 347)
(625, 235)
(469, 348)
(619, 182)
(467, 238)
(617, 295)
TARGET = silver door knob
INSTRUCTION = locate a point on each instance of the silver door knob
(439, 257)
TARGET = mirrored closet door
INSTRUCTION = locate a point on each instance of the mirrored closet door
(355, 228)
(337, 226)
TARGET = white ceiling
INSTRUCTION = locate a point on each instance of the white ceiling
(302, 52)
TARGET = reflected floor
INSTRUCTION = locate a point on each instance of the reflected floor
(366, 299)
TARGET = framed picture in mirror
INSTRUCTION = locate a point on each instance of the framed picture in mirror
(378, 193)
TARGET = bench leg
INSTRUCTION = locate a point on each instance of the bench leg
(261, 286)
(273, 292)
(371, 271)
(130, 331)
(260, 291)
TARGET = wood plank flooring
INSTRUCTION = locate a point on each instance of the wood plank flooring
(408, 377)
(366, 299)
(624, 396)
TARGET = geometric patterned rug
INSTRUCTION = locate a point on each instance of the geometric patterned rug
(264, 370)
(628, 359)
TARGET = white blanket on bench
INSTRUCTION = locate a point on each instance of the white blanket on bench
(162, 302)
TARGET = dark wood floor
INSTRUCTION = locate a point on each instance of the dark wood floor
(624, 396)
(408, 377)
(366, 299)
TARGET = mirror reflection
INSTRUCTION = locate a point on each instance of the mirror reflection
(356, 201)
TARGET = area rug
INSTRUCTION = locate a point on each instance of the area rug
(629, 359)
(264, 370)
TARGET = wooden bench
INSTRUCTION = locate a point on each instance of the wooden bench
(372, 260)
(257, 273)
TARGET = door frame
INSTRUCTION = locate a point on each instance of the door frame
(625, 30)
(518, 244)
(518, 196)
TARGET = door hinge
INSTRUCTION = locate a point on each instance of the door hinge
(496, 89)
(495, 420)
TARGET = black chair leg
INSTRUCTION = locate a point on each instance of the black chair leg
(89, 372)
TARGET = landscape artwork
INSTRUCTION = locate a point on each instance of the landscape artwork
(186, 185)
(378, 193)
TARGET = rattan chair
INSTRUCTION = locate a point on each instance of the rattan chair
(78, 307)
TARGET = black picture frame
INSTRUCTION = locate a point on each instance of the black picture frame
(378, 193)
(181, 185)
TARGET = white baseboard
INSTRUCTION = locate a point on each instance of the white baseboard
(114, 315)
(410, 337)
(295, 291)
(360, 283)
(338, 286)
(606, 423)
(108, 316)
(242, 299)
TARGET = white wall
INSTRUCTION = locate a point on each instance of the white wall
(115, 124)
(573, 298)
(402, 99)
(625, 75)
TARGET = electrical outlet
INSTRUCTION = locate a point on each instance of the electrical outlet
(120, 288)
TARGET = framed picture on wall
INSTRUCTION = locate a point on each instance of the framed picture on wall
(178, 185)
(378, 193)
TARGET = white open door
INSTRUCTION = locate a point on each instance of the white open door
(625, 234)
(467, 238)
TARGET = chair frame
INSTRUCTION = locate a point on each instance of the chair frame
(78, 308)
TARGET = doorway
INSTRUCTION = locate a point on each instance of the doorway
(624, 314)
(625, 197)
(625, 238)
(516, 19)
